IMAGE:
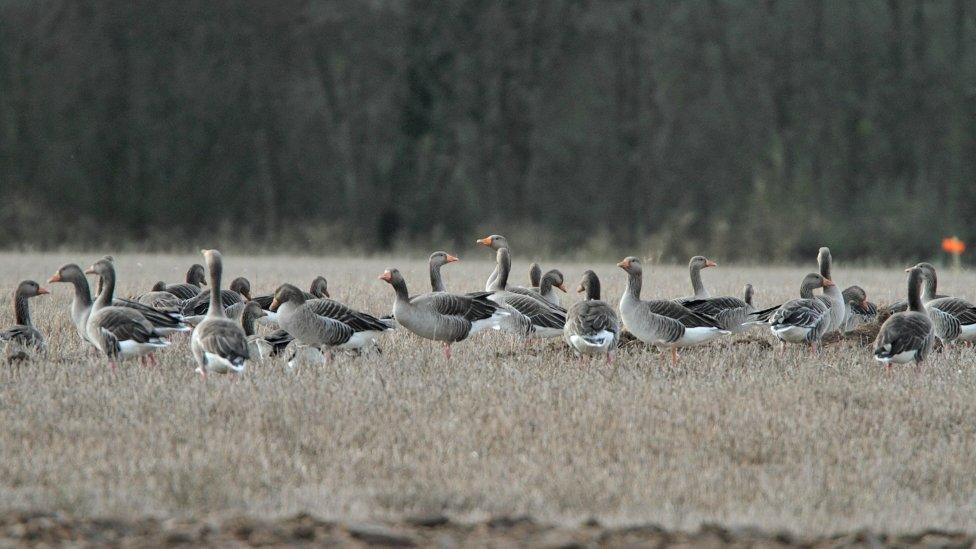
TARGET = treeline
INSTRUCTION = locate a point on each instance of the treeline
(743, 129)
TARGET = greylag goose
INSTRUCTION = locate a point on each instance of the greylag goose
(495, 242)
(81, 303)
(807, 319)
(258, 348)
(695, 266)
(592, 326)
(535, 275)
(324, 323)
(24, 335)
(906, 336)
(119, 332)
(436, 261)
(952, 317)
(365, 326)
(836, 316)
(162, 301)
(664, 323)
(530, 315)
(166, 323)
(195, 277)
(318, 289)
(552, 279)
(858, 310)
(219, 344)
(240, 291)
(442, 316)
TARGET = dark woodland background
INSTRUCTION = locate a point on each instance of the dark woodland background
(742, 129)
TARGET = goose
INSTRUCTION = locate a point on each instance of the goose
(24, 335)
(552, 279)
(530, 316)
(435, 262)
(858, 310)
(195, 277)
(219, 344)
(240, 291)
(732, 314)
(836, 317)
(442, 316)
(324, 323)
(747, 294)
(495, 242)
(162, 301)
(119, 332)
(906, 336)
(81, 303)
(952, 317)
(807, 319)
(258, 348)
(318, 289)
(664, 323)
(592, 326)
(930, 286)
(695, 266)
(166, 323)
(535, 275)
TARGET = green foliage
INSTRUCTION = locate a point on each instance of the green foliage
(764, 129)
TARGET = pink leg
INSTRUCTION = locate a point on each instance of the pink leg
(674, 356)
(610, 357)
(111, 364)
(447, 351)
(152, 359)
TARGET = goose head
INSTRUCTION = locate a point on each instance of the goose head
(159, 286)
(391, 276)
(67, 273)
(319, 287)
(442, 258)
(631, 265)
(814, 281)
(855, 295)
(556, 276)
(29, 288)
(286, 293)
(495, 241)
(242, 286)
(254, 310)
(701, 262)
(747, 293)
(196, 275)
(589, 284)
(101, 267)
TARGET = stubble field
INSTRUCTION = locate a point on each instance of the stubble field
(735, 435)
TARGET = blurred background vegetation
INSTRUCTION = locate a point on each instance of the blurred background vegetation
(750, 130)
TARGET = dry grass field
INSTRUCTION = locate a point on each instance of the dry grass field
(736, 435)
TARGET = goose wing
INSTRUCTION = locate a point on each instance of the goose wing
(963, 310)
(803, 313)
(903, 333)
(224, 338)
(357, 320)
(682, 313)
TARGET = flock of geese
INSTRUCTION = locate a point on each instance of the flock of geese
(223, 335)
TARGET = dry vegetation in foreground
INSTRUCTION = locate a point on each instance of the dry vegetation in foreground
(736, 435)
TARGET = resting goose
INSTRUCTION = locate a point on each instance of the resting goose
(664, 323)
(162, 301)
(434, 263)
(858, 310)
(535, 275)
(219, 344)
(318, 289)
(324, 323)
(952, 317)
(495, 242)
(592, 326)
(552, 279)
(258, 348)
(442, 316)
(166, 323)
(119, 332)
(239, 292)
(695, 266)
(807, 319)
(81, 303)
(906, 336)
(24, 335)
(530, 315)
(195, 277)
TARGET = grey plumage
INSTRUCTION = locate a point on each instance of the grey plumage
(907, 336)
(592, 326)
(219, 344)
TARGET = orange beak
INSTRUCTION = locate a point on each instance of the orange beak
(828, 283)
(562, 287)
(452, 259)
(90, 270)
(624, 264)
(387, 276)
(864, 304)
(909, 269)
(42, 291)
(581, 289)
(326, 292)
(56, 277)
(274, 305)
(486, 241)
(710, 263)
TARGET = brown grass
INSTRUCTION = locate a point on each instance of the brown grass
(736, 435)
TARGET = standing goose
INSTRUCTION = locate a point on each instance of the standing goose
(732, 314)
(24, 335)
(81, 303)
(531, 316)
(495, 242)
(695, 266)
(219, 344)
(592, 326)
(442, 316)
(664, 323)
(952, 317)
(535, 275)
(907, 336)
(119, 332)
(552, 279)
(239, 292)
(436, 261)
(807, 319)
(166, 323)
(836, 317)
(365, 327)
(195, 277)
